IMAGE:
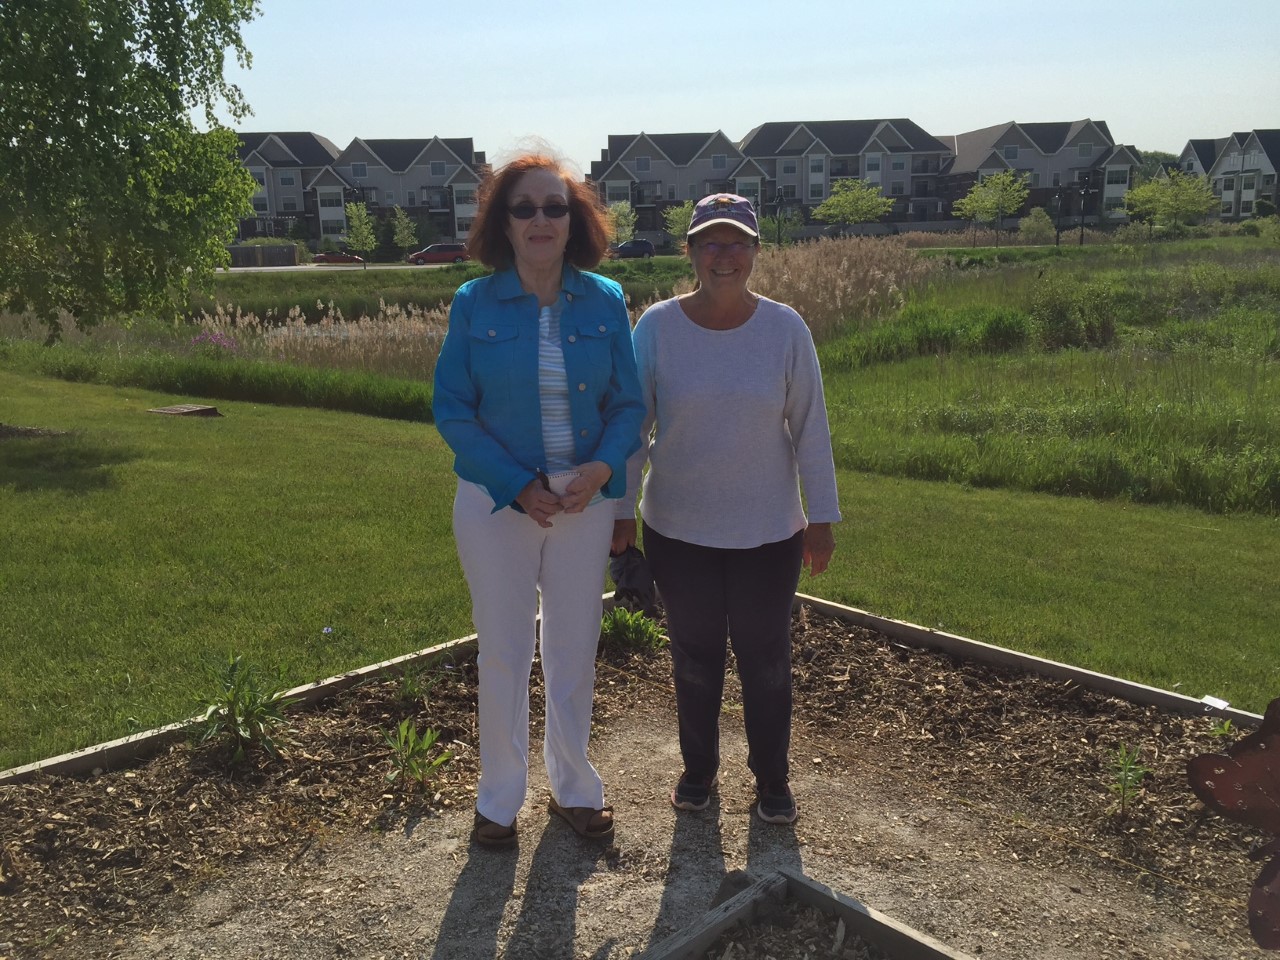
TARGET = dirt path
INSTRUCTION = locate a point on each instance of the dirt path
(978, 883)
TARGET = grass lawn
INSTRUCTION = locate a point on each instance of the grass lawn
(139, 546)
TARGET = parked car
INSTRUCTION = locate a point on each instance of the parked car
(440, 253)
(630, 249)
(335, 257)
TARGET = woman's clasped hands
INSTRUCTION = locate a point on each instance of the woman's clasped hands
(541, 504)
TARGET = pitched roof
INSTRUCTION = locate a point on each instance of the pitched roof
(841, 137)
(311, 149)
(398, 155)
(973, 147)
(1207, 151)
(680, 148)
(1270, 143)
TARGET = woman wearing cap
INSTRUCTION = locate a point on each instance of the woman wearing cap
(536, 394)
(735, 414)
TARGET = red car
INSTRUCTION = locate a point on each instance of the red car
(336, 258)
(440, 253)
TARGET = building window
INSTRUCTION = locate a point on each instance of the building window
(1120, 175)
(1113, 203)
(464, 224)
(332, 227)
(330, 201)
(260, 177)
(788, 191)
(1011, 153)
(1268, 179)
(1246, 206)
(642, 164)
(788, 166)
(437, 168)
(897, 165)
(619, 194)
(1035, 179)
(1086, 150)
(286, 179)
(1248, 183)
(260, 204)
(817, 164)
(411, 199)
(671, 191)
(895, 188)
(464, 195)
(873, 163)
(1226, 206)
(815, 191)
(693, 191)
(1228, 183)
(719, 161)
(750, 189)
(389, 197)
(288, 204)
(1057, 179)
(359, 170)
(1191, 166)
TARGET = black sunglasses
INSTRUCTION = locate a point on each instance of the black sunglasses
(524, 210)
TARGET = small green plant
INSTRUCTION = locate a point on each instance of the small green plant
(1127, 774)
(411, 759)
(631, 630)
(245, 707)
(1223, 728)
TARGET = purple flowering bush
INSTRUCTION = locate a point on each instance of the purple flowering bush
(213, 345)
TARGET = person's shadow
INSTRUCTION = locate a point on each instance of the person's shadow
(771, 847)
(545, 929)
(696, 862)
(480, 896)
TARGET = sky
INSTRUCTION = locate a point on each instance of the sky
(567, 75)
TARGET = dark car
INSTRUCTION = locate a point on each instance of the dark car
(335, 257)
(440, 253)
(630, 249)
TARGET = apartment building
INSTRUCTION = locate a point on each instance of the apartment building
(285, 166)
(1243, 174)
(1197, 156)
(796, 163)
(655, 171)
(304, 179)
(1073, 168)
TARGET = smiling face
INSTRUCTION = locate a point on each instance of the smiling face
(538, 243)
(715, 264)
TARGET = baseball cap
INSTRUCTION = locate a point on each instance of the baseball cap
(724, 208)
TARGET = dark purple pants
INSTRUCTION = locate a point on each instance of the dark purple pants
(713, 595)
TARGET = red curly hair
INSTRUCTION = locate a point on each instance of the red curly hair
(588, 227)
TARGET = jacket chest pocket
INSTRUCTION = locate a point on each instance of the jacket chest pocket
(493, 356)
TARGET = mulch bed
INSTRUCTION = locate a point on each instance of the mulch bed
(108, 852)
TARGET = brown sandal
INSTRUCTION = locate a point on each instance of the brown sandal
(490, 833)
(587, 821)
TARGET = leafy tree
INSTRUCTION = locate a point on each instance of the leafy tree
(677, 221)
(404, 233)
(1036, 226)
(993, 198)
(360, 235)
(781, 227)
(623, 219)
(112, 203)
(853, 201)
(428, 233)
(1172, 201)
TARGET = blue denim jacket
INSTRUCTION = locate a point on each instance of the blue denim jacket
(486, 402)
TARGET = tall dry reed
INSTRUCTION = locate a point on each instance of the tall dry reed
(398, 341)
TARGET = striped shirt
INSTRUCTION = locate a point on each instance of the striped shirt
(553, 390)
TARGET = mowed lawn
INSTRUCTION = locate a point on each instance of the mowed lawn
(138, 547)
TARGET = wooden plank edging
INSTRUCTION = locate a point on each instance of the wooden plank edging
(138, 746)
(965, 649)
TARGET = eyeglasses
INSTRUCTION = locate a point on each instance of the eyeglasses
(524, 210)
(711, 248)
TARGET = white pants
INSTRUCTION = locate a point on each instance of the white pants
(508, 561)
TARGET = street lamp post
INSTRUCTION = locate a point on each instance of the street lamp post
(1057, 218)
(1084, 192)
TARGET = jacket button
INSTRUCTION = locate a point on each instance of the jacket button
(603, 328)
(569, 297)
(581, 387)
(582, 433)
(493, 333)
(572, 338)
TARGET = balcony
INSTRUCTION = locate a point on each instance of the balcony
(922, 167)
(648, 193)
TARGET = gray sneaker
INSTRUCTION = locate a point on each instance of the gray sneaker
(775, 804)
(693, 793)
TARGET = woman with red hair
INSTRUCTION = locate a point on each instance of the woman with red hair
(536, 393)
